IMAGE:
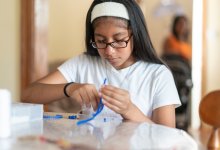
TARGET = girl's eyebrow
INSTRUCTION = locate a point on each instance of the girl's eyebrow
(115, 35)
(97, 34)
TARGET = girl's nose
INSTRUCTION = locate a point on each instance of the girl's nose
(109, 50)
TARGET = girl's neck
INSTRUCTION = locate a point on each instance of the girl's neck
(126, 64)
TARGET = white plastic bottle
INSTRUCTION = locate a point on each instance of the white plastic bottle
(5, 113)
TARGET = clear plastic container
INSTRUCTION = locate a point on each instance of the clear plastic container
(24, 112)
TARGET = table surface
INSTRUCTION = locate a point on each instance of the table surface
(64, 134)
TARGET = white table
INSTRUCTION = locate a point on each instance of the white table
(95, 135)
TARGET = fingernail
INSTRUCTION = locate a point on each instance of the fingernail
(104, 101)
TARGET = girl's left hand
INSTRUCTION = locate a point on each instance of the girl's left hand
(116, 99)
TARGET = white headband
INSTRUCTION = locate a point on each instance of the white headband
(109, 9)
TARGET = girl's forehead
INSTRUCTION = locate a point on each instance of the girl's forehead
(117, 22)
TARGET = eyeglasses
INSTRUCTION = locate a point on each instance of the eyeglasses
(115, 44)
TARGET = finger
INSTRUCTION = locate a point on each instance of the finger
(112, 107)
(114, 89)
(95, 99)
(112, 101)
(78, 98)
(113, 94)
(91, 97)
(84, 96)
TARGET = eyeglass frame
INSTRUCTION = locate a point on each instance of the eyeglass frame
(111, 44)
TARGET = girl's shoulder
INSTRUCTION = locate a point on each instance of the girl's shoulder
(85, 58)
(154, 69)
(153, 66)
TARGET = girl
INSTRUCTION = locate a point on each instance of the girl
(139, 86)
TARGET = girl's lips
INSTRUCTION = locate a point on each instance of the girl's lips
(112, 60)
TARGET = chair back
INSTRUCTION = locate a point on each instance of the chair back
(209, 111)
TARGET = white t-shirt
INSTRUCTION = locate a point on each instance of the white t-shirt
(150, 85)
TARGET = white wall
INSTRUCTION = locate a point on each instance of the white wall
(9, 47)
(159, 27)
(66, 28)
(213, 46)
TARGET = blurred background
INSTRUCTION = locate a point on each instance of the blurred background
(38, 35)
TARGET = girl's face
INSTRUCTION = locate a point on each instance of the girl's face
(110, 29)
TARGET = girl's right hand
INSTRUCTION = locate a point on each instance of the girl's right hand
(84, 94)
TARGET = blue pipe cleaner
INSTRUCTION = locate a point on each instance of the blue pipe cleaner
(98, 111)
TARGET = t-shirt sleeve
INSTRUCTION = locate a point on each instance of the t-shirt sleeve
(69, 69)
(166, 91)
